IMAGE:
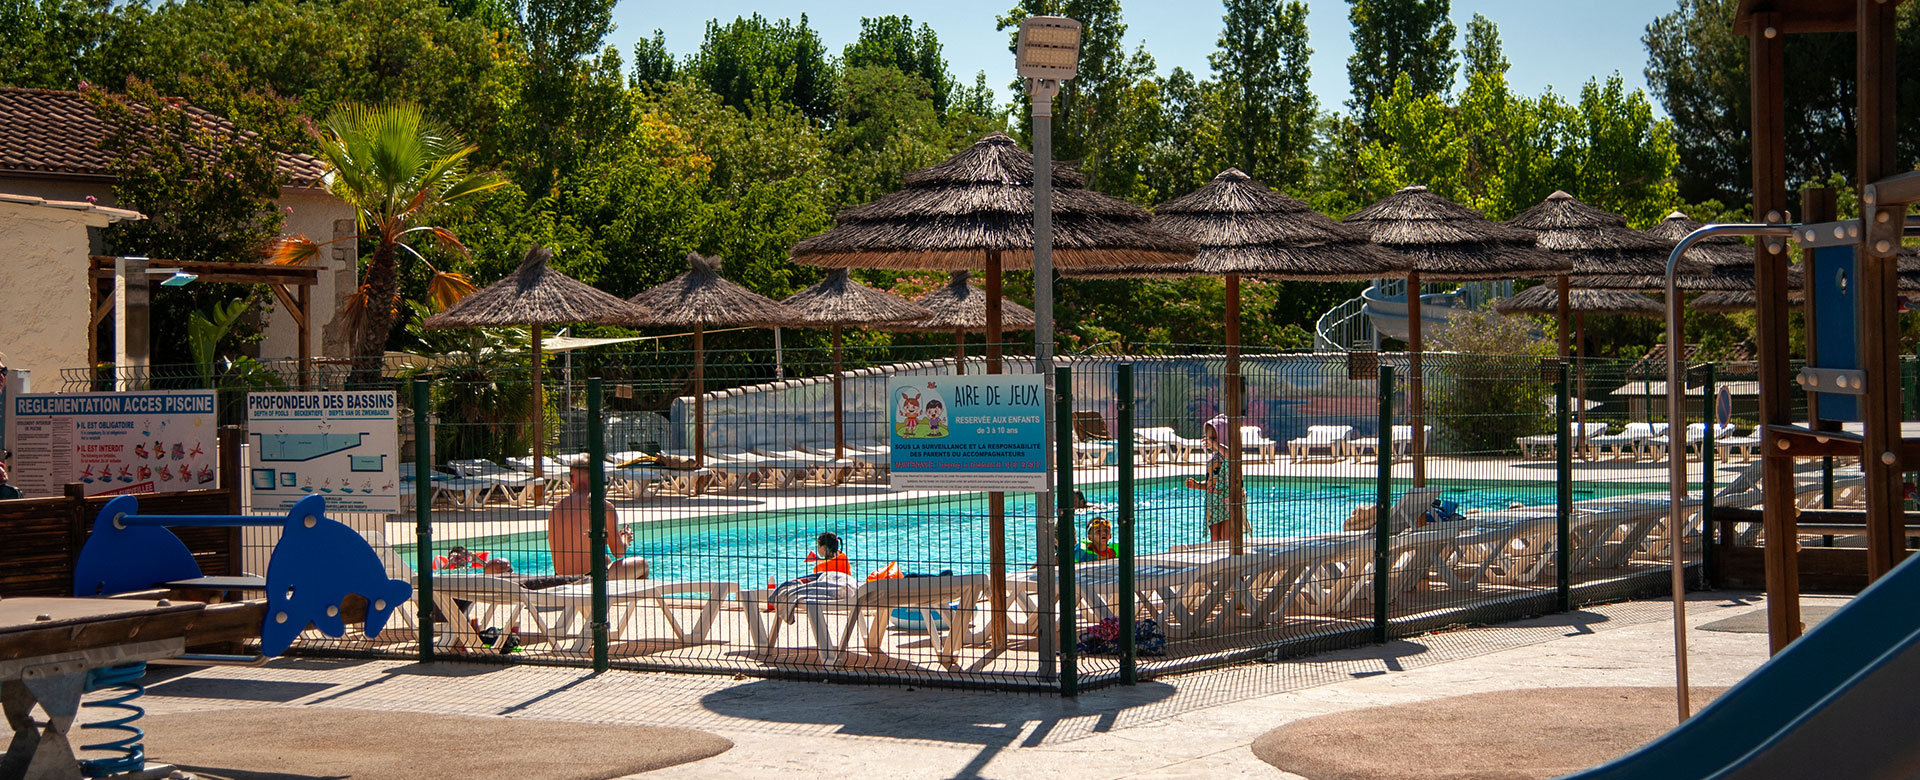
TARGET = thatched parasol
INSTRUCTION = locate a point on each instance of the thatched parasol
(839, 301)
(701, 299)
(1445, 241)
(1725, 301)
(537, 296)
(960, 308)
(1716, 263)
(1597, 242)
(975, 210)
(1545, 299)
(1244, 227)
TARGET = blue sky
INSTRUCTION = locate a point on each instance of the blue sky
(1554, 43)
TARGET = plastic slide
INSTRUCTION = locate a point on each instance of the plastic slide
(1838, 702)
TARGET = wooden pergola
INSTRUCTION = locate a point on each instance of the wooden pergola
(292, 286)
(1885, 195)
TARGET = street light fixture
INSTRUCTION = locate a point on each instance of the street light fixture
(1047, 53)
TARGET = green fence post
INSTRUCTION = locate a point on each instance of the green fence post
(1711, 416)
(423, 516)
(1063, 531)
(1123, 410)
(597, 518)
(1563, 499)
(1383, 507)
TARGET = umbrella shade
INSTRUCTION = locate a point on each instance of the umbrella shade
(1717, 251)
(1245, 227)
(701, 298)
(1545, 299)
(949, 216)
(841, 301)
(960, 306)
(1725, 301)
(537, 295)
(1597, 242)
(1445, 241)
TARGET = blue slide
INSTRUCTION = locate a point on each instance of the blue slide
(1841, 701)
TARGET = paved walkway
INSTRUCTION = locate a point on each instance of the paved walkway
(1189, 726)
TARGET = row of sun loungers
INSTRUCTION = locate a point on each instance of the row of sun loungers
(1643, 440)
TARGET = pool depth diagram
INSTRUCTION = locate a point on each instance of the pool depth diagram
(340, 445)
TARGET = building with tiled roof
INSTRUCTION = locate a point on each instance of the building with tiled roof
(57, 133)
(50, 149)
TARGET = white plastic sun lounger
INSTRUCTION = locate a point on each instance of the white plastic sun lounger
(1746, 446)
(868, 610)
(1251, 438)
(1337, 584)
(1178, 447)
(574, 603)
(1402, 442)
(514, 486)
(1542, 445)
(1629, 441)
(1695, 433)
(1332, 438)
(1187, 593)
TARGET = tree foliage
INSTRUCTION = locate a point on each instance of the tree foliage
(756, 60)
(1266, 105)
(1393, 39)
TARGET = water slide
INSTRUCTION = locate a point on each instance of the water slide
(1839, 702)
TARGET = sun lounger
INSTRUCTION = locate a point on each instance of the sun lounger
(1179, 447)
(515, 486)
(461, 492)
(1630, 441)
(1187, 593)
(567, 611)
(1251, 438)
(1339, 583)
(1542, 446)
(823, 468)
(867, 611)
(1695, 434)
(1091, 454)
(861, 464)
(1746, 445)
(1332, 438)
(1402, 442)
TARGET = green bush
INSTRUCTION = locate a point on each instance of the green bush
(1487, 388)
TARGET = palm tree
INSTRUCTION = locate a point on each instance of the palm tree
(397, 169)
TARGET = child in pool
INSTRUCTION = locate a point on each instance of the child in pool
(1099, 544)
(1219, 520)
(827, 556)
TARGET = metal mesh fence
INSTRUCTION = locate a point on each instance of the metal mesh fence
(1332, 509)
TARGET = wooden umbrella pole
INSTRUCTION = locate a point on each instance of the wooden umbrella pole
(959, 352)
(839, 408)
(996, 501)
(699, 396)
(539, 426)
(1416, 398)
(1236, 489)
(1580, 366)
(1562, 310)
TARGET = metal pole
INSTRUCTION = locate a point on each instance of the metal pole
(1064, 539)
(779, 357)
(1707, 405)
(1043, 91)
(597, 519)
(1123, 410)
(539, 425)
(423, 517)
(1383, 507)
(1677, 467)
(1563, 499)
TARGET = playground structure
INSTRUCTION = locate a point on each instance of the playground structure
(131, 572)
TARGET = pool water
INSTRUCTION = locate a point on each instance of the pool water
(938, 534)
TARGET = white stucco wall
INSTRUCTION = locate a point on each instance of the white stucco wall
(43, 258)
(321, 217)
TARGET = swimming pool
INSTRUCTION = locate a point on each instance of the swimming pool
(950, 532)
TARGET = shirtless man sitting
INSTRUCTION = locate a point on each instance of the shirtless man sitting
(568, 535)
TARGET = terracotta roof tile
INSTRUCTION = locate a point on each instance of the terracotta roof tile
(55, 132)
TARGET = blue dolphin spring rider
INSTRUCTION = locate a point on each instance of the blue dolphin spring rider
(317, 563)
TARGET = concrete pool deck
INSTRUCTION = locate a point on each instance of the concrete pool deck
(1197, 725)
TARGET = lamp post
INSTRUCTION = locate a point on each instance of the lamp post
(1046, 54)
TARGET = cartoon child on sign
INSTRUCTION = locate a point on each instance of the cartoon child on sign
(922, 414)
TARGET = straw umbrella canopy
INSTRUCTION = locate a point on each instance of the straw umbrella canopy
(1597, 242)
(1445, 241)
(1244, 227)
(1545, 299)
(1716, 263)
(975, 210)
(538, 296)
(839, 301)
(701, 299)
(961, 308)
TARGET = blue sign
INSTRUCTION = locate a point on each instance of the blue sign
(968, 432)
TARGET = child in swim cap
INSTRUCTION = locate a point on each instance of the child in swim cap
(1099, 544)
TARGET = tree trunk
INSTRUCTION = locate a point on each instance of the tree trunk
(382, 292)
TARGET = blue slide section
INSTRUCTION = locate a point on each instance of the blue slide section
(1838, 702)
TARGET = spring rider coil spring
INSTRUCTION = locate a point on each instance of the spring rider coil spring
(124, 681)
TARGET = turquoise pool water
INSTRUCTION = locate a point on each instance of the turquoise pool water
(950, 533)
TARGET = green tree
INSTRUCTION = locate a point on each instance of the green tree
(57, 44)
(893, 42)
(1396, 38)
(1482, 55)
(398, 170)
(652, 63)
(754, 60)
(1697, 67)
(1087, 105)
(572, 96)
(207, 195)
(1261, 65)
